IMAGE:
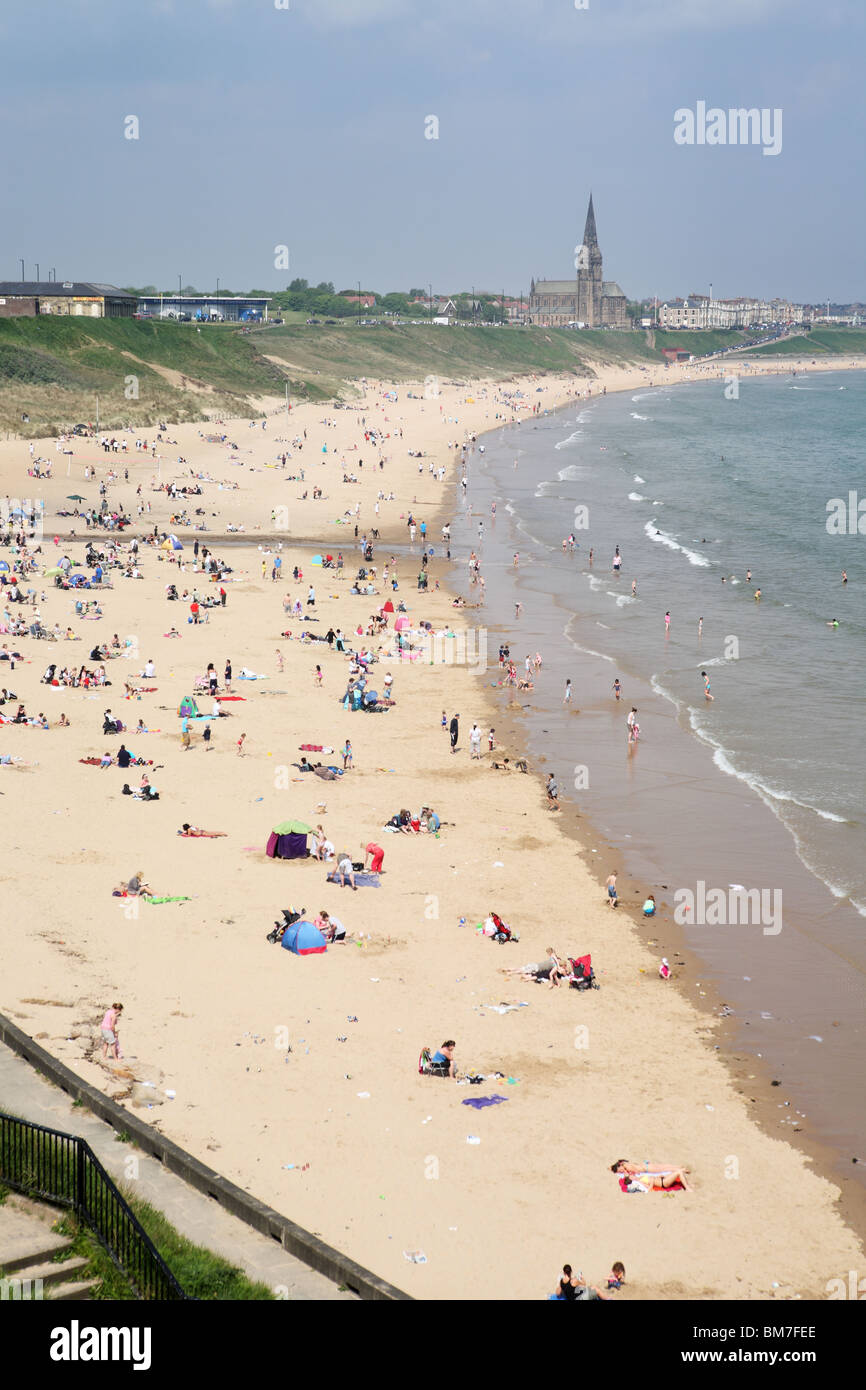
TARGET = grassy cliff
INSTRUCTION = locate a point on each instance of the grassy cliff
(53, 369)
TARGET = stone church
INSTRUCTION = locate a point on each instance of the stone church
(587, 299)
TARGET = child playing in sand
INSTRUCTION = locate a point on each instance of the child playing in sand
(110, 1040)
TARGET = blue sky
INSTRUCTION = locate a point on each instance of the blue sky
(305, 127)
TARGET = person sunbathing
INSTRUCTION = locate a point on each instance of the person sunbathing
(551, 970)
(193, 832)
(652, 1175)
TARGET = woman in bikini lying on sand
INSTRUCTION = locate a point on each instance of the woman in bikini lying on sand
(192, 832)
(659, 1175)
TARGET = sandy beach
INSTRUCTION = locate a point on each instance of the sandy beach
(341, 1132)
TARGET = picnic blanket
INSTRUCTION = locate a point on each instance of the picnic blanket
(479, 1102)
(362, 880)
(166, 900)
(314, 748)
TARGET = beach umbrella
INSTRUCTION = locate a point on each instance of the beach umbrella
(293, 827)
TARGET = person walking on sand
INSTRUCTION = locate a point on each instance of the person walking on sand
(228, 676)
(110, 1040)
(318, 675)
(184, 732)
(475, 742)
(552, 792)
(566, 699)
(280, 662)
(346, 752)
(454, 731)
(240, 745)
(612, 899)
(207, 737)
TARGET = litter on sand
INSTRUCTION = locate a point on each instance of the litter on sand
(415, 1257)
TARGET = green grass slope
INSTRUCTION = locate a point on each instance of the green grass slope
(820, 342)
(52, 369)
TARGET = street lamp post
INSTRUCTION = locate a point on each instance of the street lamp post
(359, 301)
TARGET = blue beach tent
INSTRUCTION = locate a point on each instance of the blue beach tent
(304, 939)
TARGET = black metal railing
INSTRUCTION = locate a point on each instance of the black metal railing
(63, 1168)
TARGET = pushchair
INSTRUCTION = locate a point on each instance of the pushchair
(502, 933)
(290, 916)
(582, 974)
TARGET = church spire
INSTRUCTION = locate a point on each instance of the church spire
(589, 234)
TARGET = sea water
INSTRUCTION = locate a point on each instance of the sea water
(695, 485)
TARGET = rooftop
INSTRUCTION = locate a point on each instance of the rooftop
(74, 288)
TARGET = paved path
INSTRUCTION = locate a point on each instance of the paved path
(25, 1093)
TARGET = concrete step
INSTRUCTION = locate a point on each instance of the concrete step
(53, 1272)
(72, 1293)
(25, 1240)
